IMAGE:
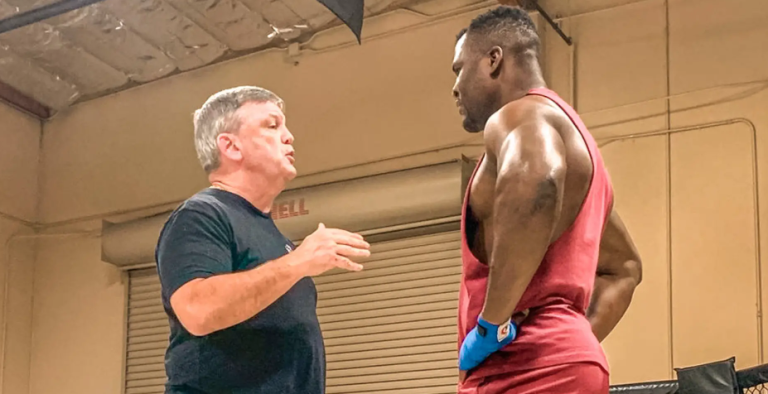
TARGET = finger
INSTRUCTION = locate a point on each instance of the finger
(347, 264)
(348, 240)
(519, 317)
(320, 226)
(349, 251)
(344, 233)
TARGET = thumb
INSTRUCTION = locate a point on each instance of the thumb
(320, 226)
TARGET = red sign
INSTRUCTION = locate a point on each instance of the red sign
(288, 209)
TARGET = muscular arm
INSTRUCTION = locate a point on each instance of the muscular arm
(619, 271)
(530, 166)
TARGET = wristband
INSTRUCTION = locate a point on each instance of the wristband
(484, 340)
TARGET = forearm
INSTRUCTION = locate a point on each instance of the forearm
(504, 293)
(222, 301)
(522, 233)
(611, 298)
(509, 277)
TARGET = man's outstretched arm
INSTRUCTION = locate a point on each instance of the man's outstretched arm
(530, 165)
(619, 272)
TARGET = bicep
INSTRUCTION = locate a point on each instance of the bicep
(193, 246)
(618, 253)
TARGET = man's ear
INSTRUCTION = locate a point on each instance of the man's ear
(495, 57)
(229, 146)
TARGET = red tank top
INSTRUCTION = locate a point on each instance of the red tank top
(556, 330)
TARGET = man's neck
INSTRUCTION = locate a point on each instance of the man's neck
(520, 89)
(257, 190)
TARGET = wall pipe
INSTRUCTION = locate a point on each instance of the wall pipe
(543, 13)
(755, 202)
(18, 220)
(668, 146)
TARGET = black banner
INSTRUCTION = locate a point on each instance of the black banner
(348, 11)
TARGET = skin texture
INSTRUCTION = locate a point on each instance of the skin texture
(619, 271)
(530, 185)
(256, 163)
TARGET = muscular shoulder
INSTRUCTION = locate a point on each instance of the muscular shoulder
(529, 120)
(529, 109)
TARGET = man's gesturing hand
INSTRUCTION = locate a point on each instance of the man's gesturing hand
(328, 248)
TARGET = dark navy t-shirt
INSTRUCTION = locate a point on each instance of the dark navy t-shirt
(279, 350)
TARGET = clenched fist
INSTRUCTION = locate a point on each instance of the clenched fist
(328, 248)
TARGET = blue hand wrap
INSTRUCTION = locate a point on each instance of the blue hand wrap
(484, 340)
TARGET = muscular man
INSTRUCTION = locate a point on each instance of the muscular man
(240, 300)
(540, 233)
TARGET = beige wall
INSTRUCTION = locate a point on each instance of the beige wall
(78, 319)
(134, 149)
(18, 204)
(708, 234)
(19, 159)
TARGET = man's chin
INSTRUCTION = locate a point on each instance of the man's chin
(290, 173)
(471, 127)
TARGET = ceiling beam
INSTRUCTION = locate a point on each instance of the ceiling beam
(8, 93)
(23, 102)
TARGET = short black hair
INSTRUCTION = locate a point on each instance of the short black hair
(505, 26)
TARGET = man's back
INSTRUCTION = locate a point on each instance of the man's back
(556, 331)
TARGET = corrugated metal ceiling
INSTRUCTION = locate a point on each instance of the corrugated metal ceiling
(117, 44)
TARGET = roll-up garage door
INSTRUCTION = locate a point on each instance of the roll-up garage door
(392, 327)
(388, 329)
(148, 333)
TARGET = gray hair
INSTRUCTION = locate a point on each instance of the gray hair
(218, 115)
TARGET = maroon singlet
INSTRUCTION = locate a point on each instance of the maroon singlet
(557, 331)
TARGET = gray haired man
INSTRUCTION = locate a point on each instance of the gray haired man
(241, 301)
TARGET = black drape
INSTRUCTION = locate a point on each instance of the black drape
(348, 11)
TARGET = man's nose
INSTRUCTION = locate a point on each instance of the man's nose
(287, 137)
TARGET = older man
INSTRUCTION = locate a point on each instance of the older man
(240, 300)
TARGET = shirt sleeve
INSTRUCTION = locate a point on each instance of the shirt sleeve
(192, 245)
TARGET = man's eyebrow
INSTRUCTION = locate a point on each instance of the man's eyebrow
(273, 117)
